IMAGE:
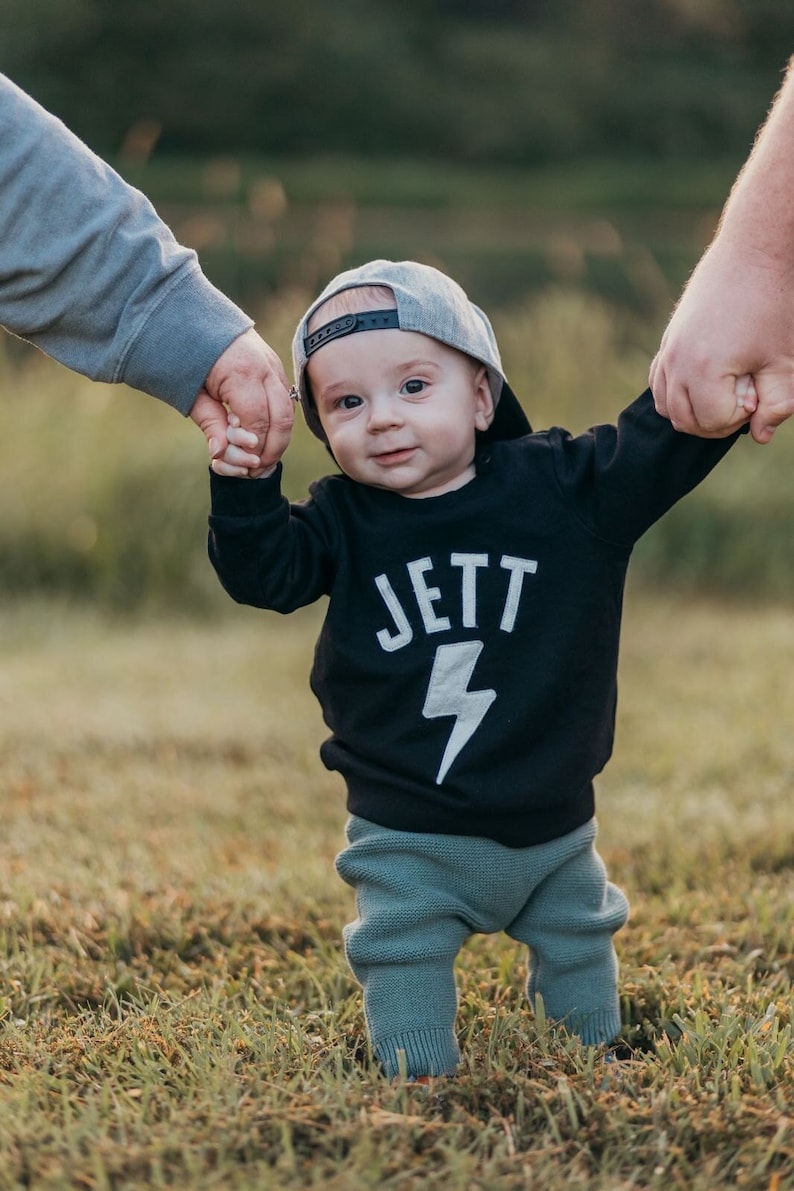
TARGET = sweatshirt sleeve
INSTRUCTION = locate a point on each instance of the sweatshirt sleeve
(88, 271)
(623, 478)
(267, 552)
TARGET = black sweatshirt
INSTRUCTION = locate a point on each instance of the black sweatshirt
(467, 663)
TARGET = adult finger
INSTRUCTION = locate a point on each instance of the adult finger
(658, 384)
(775, 404)
(249, 378)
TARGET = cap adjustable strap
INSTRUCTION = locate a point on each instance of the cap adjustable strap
(347, 324)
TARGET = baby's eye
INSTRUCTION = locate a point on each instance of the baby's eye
(412, 387)
(349, 402)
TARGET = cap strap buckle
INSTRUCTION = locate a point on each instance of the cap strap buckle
(347, 324)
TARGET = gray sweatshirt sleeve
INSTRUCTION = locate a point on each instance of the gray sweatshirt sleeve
(90, 274)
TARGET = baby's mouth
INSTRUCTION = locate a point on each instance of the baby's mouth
(395, 455)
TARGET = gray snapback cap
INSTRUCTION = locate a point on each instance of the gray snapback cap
(429, 302)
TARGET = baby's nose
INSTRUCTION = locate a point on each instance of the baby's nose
(384, 411)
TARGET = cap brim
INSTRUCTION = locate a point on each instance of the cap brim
(509, 420)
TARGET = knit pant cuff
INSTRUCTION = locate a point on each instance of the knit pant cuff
(426, 1052)
(596, 1027)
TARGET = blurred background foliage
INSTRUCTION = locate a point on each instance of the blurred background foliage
(485, 81)
(566, 160)
(590, 141)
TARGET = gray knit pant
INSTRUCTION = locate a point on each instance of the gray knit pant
(420, 896)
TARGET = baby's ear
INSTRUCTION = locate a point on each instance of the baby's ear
(484, 407)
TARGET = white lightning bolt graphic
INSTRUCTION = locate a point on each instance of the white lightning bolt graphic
(447, 694)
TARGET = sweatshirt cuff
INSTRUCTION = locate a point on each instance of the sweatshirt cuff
(233, 497)
(181, 340)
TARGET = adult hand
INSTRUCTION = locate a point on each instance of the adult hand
(728, 351)
(249, 379)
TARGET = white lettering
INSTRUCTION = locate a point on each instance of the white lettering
(468, 584)
(404, 632)
(518, 568)
(427, 596)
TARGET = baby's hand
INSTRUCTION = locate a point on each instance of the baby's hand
(239, 459)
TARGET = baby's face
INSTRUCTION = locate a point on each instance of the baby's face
(400, 410)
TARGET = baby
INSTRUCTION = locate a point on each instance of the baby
(467, 662)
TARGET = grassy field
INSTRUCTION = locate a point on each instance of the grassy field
(176, 1010)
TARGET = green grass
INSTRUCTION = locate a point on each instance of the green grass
(176, 1010)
